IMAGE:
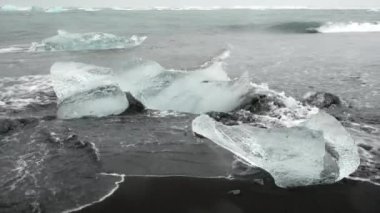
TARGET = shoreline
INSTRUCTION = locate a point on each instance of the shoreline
(190, 194)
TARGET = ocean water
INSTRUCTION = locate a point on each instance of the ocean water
(55, 165)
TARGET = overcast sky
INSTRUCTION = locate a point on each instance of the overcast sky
(200, 3)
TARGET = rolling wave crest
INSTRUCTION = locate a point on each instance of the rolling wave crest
(350, 27)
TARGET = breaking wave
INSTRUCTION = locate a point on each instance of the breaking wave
(65, 41)
(354, 27)
(56, 10)
(89, 9)
(20, 92)
(117, 185)
(12, 8)
(295, 27)
(11, 50)
(320, 27)
(374, 10)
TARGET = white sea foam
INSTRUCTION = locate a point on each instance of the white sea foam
(374, 10)
(369, 154)
(12, 8)
(272, 8)
(19, 92)
(117, 185)
(121, 8)
(65, 41)
(96, 151)
(364, 180)
(89, 9)
(350, 27)
(11, 50)
(56, 9)
(291, 115)
(165, 113)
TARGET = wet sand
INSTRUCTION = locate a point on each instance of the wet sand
(201, 195)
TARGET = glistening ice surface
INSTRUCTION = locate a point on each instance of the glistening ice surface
(318, 150)
(85, 90)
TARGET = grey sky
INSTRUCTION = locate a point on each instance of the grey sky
(201, 3)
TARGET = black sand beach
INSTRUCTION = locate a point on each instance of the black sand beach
(212, 92)
(200, 195)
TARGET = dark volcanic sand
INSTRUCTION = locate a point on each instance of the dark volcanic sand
(200, 195)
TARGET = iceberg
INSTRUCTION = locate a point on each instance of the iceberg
(86, 90)
(66, 41)
(316, 151)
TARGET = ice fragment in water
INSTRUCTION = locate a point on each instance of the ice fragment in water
(207, 88)
(86, 90)
(317, 151)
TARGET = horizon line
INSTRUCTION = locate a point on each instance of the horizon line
(237, 7)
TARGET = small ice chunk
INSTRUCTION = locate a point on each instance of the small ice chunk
(317, 151)
(70, 78)
(86, 90)
(234, 192)
(98, 102)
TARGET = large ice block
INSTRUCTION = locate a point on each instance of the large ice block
(207, 88)
(86, 90)
(317, 151)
